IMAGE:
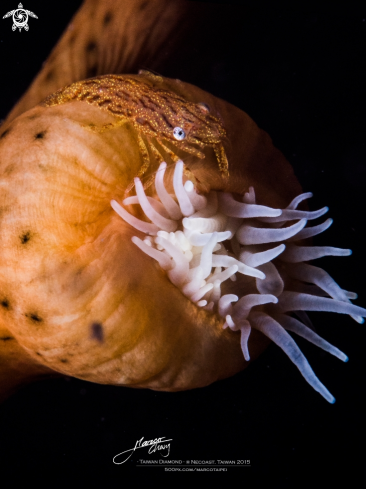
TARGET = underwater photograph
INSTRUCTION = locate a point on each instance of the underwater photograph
(182, 253)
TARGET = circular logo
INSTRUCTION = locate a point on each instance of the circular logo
(20, 18)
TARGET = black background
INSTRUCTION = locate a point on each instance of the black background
(300, 74)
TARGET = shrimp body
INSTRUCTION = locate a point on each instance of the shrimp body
(157, 115)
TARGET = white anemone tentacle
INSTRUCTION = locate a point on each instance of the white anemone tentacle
(232, 259)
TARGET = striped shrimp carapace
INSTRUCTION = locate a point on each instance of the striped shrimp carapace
(159, 116)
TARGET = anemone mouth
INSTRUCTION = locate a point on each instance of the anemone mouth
(243, 261)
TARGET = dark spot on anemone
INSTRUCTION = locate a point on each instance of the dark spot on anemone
(92, 71)
(97, 332)
(25, 237)
(64, 360)
(5, 304)
(37, 353)
(43, 167)
(143, 5)
(90, 47)
(32, 117)
(9, 169)
(72, 39)
(50, 75)
(6, 338)
(107, 18)
(34, 317)
(40, 135)
(5, 133)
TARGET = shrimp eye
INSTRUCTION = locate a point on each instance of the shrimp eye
(178, 133)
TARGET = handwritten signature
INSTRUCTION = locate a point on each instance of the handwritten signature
(159, 444)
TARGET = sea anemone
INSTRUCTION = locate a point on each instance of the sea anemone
(80, 298)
